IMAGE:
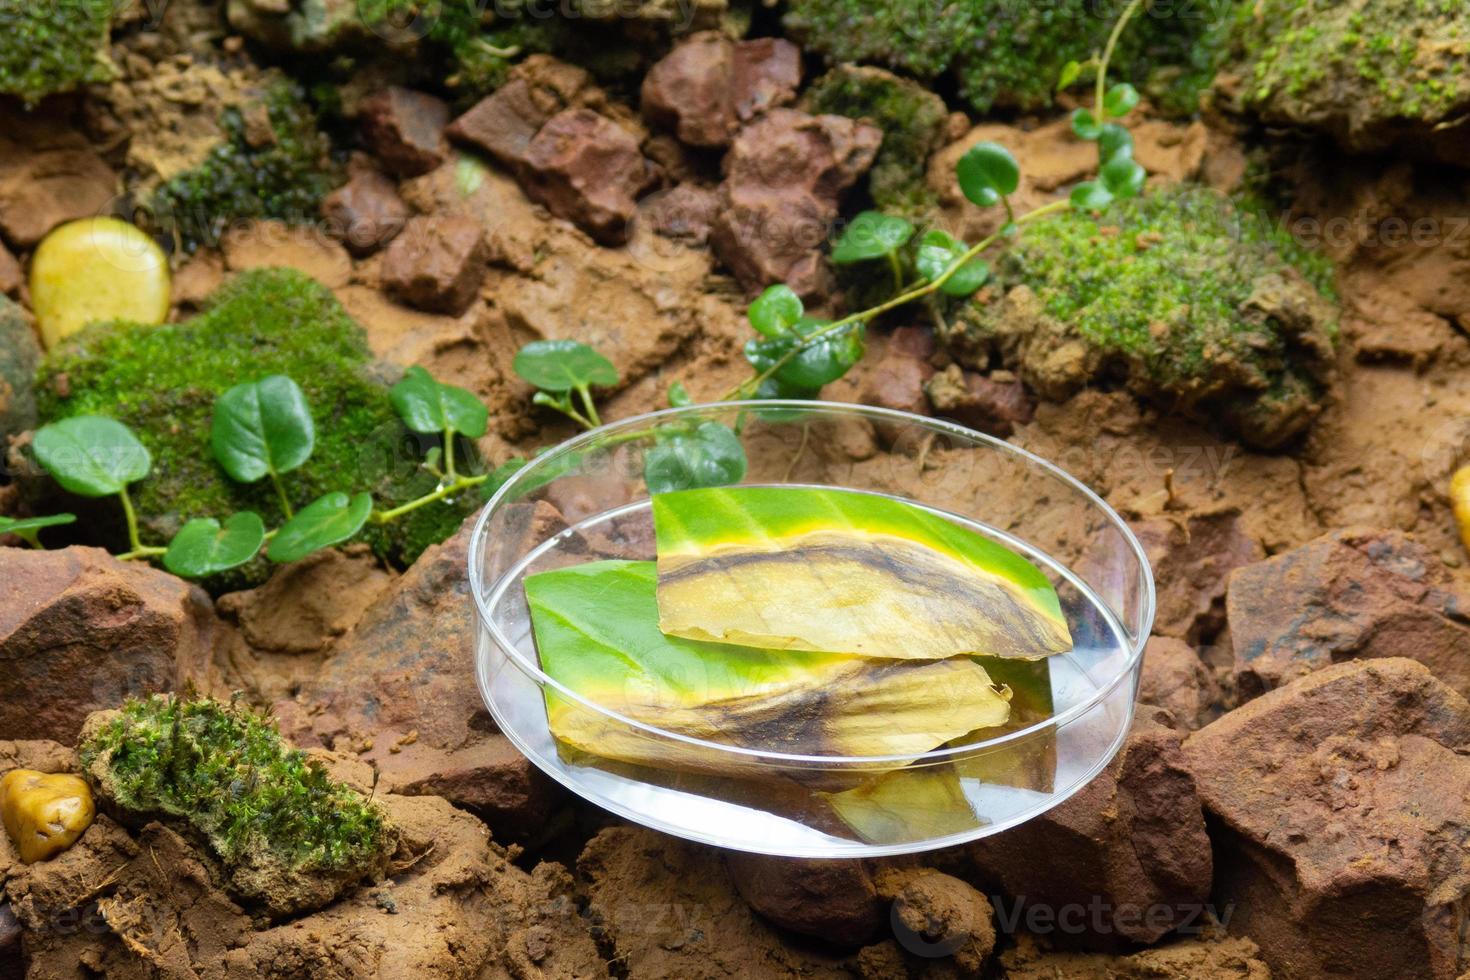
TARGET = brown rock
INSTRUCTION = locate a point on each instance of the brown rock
(667, 908)
(1356, 593)
(936, 918)
(587, 169)
(11, 276)
(831, 900)
(437, 263)
(80, 631)
(897, 380)
(683, 213)
(1341, 802)
(399, 690)
(1211, 958)
(504, 122)
(307, 604)
(197, 278)
(1133, 840)
(366, 212)
(784, 175)
(404, 129)
(1192, 559)
(48, 175)
(710, 84)
(990, 404)
(1177, 680)
(272, 244)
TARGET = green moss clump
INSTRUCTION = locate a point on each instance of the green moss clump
(1001, 52)
(48, 47)
(281, 173)
(1201, 303)
(1354, 64)
(163, 380)
(913, 122)
(287, 835)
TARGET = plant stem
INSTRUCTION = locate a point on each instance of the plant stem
(281, 495)
(149, 552)
(588, 406)
(449, 473)
(448, 490)
(1107, 55)
(897, 270)
(918, 292)
(134, 543)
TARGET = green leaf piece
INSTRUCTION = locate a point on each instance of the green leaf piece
(775, 310)
(330, 519)
(987, 172)
(872, 235)
(91, 455)
(500, 474)
(937, 252)
(679, 395)
(709, 456)
(597, 634)
(202, 547)
(563, 365)
(1070, 72)
(1113, 141)
(262, 427)
(431, 406)
(26, 528)
(818, 363)
(1123, 176)
(803, 568)
(1120, 100)
(1085, 125)
(1090, 196)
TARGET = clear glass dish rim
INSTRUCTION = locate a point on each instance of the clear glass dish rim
(932, 757)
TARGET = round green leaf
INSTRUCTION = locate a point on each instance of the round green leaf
(679, 395)
(91, 455)
(203, 548)
(430, 406)
(1123, 176)
(262, 427)
(1113, 141)
(26, 528)
(1090, 196)
(818, 362)
(937, 252)
(1120, 100)
(563, 365)
(775, 310)
(1085, 125)
(710, 456)
(988, 172)
(871, 235)
(330, 519)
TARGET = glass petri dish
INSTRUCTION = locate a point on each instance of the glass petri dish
(586, 500)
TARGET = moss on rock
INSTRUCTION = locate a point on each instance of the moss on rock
(1186, 297)
(288, 837)
(48, 47)
(1368, 71)
(273, 162)
(1000, 52)
(163, 380)
(913, 122)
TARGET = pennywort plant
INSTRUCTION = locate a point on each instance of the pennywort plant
(261, 430)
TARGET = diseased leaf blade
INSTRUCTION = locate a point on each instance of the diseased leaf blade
(330, 519)
(204, 547)
(91, 455)
(597, 633)
(430, 406)
(262, 427)
(563, 365)
(928, 587)
(709, 456)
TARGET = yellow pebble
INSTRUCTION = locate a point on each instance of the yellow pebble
(1460, 502)
(44, 814)
(97, 269)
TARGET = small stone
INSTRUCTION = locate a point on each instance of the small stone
(709, 84)
(897, 381)
(587, 169)
(994, 407)
(504, 122)
(44, 814)
(97, 269)
(935, 914)
(366, 212)
(1192, 558)
(437, 263)
(831, 900)
(1177, 680)
(683, 213)
(404, 129)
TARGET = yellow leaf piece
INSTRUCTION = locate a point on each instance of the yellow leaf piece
(596, 630)
(800, 568)
(44, 814)
(97, 269)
